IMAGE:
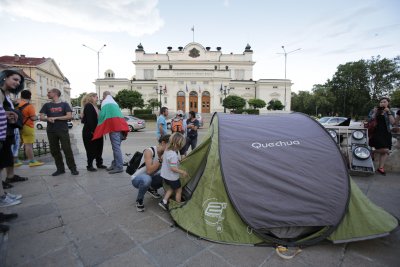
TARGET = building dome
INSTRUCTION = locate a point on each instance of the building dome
(109, 74)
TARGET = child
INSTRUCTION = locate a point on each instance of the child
(170, 169)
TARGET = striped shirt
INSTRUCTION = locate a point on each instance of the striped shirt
(3, 124)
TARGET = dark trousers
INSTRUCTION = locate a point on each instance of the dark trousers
(55, 139)
(94, 149)
(190, 142)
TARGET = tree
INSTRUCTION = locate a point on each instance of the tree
(129, 99)
(275, 105)
(323, 100)
(395, 98)
(384, 76)
(257, 103)
(234, 102)
(153, 103)
(77, 101)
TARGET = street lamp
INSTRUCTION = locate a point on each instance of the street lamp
(98, 61)
(160, 92)
(225, 91)
(286, 53)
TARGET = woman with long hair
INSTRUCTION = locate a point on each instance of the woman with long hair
(381, 139)
(89, 117)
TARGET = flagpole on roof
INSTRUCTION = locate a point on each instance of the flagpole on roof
(192, 29)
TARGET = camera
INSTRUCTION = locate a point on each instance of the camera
(381, 108)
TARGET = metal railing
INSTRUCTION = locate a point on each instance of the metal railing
(40, 148)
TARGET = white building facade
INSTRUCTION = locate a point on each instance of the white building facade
(197, 78)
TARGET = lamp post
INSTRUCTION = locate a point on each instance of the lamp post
(225, 91)
(285, 54)
(98, 61)
(160, 92)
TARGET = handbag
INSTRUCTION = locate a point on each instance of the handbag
(371, 126)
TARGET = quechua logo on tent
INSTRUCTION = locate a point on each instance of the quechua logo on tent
(275, 144)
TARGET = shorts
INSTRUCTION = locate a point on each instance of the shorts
(28, 135)
(173, 184)
(6, 156)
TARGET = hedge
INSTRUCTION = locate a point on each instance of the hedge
(137, 112)
(149, 117)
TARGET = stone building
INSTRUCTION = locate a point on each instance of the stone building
(42, 74)
(196, 78)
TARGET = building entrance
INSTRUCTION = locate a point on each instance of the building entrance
(193, 99)
(205, 102)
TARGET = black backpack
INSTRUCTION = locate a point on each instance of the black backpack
(134, 163)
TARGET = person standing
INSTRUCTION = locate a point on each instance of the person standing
(381, 139)
(58, 113)
(112, 122)
(191, 133)
(28, 129)
(162, 122)
(89, 118)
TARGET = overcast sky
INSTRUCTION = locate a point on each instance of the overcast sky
(329, 33)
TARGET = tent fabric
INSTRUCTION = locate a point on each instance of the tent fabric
(237, 194)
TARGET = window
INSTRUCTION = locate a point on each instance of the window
(149, 74)
(181, 93)
(111, 86)
(275, 86)
(220, 100)
(165, 100)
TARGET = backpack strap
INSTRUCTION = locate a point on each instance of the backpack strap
(21, 108)
(154, 154)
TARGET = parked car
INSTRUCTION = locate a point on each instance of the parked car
(135, 123)
(334, 121)
(43, 125)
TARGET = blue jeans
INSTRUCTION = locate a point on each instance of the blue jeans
(115, 138)
(143, 183)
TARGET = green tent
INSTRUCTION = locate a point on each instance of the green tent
(273, 180)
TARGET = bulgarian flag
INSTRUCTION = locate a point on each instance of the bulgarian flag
(110, 119)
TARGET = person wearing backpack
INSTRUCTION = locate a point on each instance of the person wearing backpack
(178, 124)
(147, 177)
(28, 128)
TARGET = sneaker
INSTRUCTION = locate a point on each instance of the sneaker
(6, 185)
(17, 163)
(6, 201)
(163, 205)
(74, 172)
(115, 171)
(139, 206)
(110, 168)
(6, 217)
(57, 172)
(91, 169)
(35, 163)
(101, 166)
(13, 196)
(4, 228)
(16, 178)
(153, 192)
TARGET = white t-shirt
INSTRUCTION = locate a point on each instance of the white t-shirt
(170, 159)
(143, 169)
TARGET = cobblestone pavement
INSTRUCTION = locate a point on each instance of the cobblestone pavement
(91, 220)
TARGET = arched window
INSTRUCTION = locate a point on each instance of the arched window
(180, 93)
(206, 93)
(193, 93)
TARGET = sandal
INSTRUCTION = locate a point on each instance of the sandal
(16, 178)
(381, 171)
(6, 185)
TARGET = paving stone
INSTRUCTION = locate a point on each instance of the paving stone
(172, 249)
(23, 228)
(63, 257)
(104, 246)
(242, 255)
(206, 258)
(34, 246)
(34, 211)
(79, 213)
(39, 199)
(73, 200)
(327, 255)
(133, 258)
(29, 188)
(89, 227)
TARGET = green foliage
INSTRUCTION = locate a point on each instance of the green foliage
(76, 102)
(234, 102)
(153, 103)
(395, 98)
(256, 103)
(275, 105)
(353, 90)
(142, 111)
(129, 99)
(251, 111)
